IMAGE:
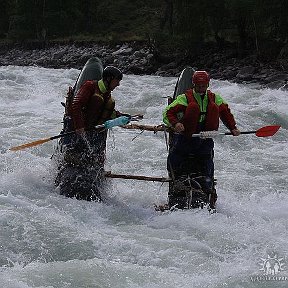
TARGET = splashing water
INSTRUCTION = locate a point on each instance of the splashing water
(48, 240)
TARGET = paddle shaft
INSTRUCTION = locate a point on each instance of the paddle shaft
(122, 120)
(107, 125)
(163, 128)
(265, 131)
(137, 177)
(146, 127)
(62, 135)
(244, 132)
(72, 132)
(42, 141)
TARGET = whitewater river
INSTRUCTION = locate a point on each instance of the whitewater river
(47, 240)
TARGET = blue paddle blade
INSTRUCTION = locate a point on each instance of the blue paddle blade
(122, 120)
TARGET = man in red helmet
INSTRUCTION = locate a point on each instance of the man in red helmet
(196, 110)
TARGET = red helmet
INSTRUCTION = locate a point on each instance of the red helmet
(200, 77)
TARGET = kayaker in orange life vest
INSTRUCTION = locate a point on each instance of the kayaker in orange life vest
(197, 110)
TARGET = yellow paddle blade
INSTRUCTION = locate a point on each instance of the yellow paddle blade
(31, 144)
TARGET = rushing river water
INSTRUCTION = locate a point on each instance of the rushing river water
(47, 240)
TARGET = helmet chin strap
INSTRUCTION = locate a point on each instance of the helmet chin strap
(107, 83)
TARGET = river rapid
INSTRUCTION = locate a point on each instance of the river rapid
(47, 240)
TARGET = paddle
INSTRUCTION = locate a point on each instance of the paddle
(265, 131)
(122, 120)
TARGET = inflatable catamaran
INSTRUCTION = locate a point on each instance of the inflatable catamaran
(80, 172)
(186, 190)
(80, 166)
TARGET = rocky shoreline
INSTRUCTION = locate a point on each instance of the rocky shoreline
(139, 59)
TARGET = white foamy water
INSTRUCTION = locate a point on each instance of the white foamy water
(47, 240)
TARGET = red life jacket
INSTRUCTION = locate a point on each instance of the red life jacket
(90, 106)
(191, 118)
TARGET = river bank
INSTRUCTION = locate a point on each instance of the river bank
(140, 58)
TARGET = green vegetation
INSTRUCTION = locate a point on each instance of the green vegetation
(170, 25)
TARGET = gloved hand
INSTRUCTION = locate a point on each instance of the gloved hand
(127, 115)
(235, 132)
(179, 127)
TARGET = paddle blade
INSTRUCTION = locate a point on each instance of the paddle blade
(31, 144)
(122, 120)
(267, 131)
